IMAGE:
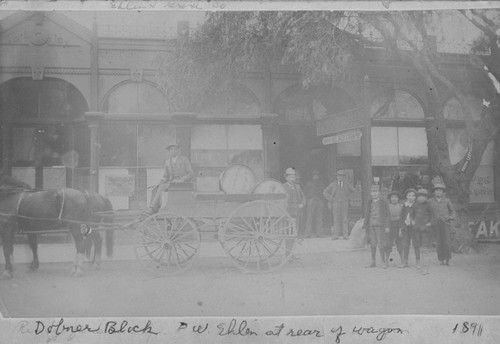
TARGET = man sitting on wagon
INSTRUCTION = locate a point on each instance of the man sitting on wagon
(178, 169)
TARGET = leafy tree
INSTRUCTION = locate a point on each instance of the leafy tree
(325, 46)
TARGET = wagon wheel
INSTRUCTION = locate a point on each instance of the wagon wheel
(258, 236)
(167, 243)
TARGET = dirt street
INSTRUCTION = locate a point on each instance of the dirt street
(316, 284)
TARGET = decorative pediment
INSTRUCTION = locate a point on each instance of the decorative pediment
(40, 29)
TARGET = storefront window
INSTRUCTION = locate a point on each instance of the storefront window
(384, 146)
(454, 110)
(399, 146)
(135, 97)
(218, 146)
(118, 144)
(412, 146)
(152, 141)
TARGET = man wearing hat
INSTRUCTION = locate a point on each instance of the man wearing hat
(315, 204)
(177, 170)
(337, 194)
(296, 200)
(423, 217)
(443, 215)
(403, 181)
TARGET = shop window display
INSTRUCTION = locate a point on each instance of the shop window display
(214, 147)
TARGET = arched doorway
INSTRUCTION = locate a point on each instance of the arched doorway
(298, 110)
(44, 137)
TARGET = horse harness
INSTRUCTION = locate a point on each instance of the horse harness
(85, 228)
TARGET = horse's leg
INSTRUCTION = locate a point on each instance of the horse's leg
(8, 249)
(32, 239)
(97, 239)
(80, 252)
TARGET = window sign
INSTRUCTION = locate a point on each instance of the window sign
(481, 187)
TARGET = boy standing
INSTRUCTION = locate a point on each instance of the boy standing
(407, 225)
(395, 208)
(443, 215)
(423, 216)
(377, 226)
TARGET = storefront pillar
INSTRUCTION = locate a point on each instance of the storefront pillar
(94, 119)
(366, 149)
(6, 163)
(270, 133)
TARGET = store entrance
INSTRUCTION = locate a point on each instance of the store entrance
(301, 149)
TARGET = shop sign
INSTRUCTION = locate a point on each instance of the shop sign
(485, 230)
(119, 186)
(343, 121)
(481, 186)
(351, 135)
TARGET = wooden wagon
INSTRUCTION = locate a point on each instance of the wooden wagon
(254, 229)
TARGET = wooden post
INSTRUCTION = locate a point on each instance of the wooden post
(94, 119)
(94, 67)
(366, 145)
(270, 135)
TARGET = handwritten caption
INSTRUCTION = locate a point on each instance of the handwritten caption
(150, 5)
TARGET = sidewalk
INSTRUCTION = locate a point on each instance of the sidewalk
(54, 253)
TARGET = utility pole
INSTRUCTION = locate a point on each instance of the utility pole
(366, 145)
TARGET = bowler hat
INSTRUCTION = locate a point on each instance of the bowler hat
(289, 171)
(439, 186)
(172, 145)
(423, 192)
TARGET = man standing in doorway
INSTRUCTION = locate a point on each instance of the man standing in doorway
(177, 170)
(337, 195)
(295, 197)
(315, 205)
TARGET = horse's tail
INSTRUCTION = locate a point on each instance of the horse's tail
(109, 218)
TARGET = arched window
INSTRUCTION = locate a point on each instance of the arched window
(135, 97)
(48, 98)
(397, 105)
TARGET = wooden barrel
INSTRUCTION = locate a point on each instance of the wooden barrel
(237, 179)
(269, 186)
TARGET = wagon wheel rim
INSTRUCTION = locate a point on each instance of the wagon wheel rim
(167, 243)
(258, 236)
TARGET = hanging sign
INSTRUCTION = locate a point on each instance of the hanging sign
(351, 135)
(339, 122)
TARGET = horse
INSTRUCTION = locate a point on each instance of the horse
(101, 211)
(23, 209)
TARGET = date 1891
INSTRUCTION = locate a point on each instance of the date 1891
(473, 329)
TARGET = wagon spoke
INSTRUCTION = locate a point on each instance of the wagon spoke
(242, 249)
(148, 253)
(239, 228)
(188, 256)
(178, 258)
(173, 225)
(230, 237)
(182, 236)
(246, 222)
(236, 245)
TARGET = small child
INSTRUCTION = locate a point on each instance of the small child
(377, 226)
(443, 215)
(407, 224)
(423, 217)
(395, 208)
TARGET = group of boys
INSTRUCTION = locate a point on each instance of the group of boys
(403, 223)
